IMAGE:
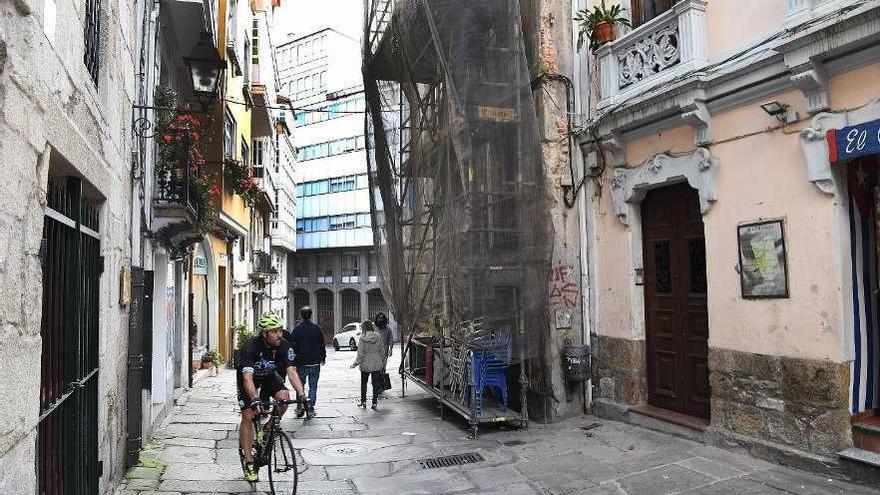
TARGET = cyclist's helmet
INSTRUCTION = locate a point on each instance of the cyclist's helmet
(270, 321)
(380, 319)
(305, 313)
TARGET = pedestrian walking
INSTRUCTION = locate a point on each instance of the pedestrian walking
(371, 358)
(307, 341)
(382, 327)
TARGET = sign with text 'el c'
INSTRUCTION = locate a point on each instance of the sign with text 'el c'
(853, 141)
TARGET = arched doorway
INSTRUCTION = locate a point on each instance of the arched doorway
(376, 303)
(324, 310)
(300, 299)
(351, 306)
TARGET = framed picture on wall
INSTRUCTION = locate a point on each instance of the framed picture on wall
(763, 271)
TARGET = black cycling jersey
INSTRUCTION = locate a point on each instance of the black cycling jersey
(262, 360)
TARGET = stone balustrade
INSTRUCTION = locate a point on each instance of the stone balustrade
(663, 48)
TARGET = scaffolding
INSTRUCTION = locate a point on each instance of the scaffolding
(458, 199)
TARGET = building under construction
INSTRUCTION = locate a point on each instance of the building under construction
(459, 200)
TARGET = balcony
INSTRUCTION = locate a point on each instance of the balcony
(654, 53)
(177, 206)
(261, 267)
(261, 115)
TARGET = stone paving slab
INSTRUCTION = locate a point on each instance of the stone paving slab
(347, 450)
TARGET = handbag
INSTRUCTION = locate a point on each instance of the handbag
(386, 381)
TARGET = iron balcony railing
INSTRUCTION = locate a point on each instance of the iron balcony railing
(261, 265)
(178, 185)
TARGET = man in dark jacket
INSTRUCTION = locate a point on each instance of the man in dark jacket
(307, 340)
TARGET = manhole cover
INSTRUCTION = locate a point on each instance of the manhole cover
(345, 450)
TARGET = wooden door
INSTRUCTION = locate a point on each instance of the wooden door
(677, 329)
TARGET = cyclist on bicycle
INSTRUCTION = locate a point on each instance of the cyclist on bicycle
(262, 359)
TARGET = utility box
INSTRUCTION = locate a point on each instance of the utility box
(576, 363)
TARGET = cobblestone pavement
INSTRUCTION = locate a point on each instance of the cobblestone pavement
(195, 451)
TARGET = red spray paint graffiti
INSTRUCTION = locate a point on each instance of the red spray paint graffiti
(562, 290)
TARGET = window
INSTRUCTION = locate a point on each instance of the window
(247, 60)
(229, 133)
(258, 153)
(342, 222)
(330, 148)
(245, 154)
(350, 272)
(372, 267)
(645, 10)
(325, 269)
(91, 37)
(255, 47)
(363, 220)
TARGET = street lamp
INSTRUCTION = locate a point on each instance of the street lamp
(205, 66)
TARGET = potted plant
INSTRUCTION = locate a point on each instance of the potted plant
(212, 358)
(243, 333)
(599, 23)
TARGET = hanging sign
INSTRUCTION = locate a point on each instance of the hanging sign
(497, 114)
(200, 265)
(853, 141)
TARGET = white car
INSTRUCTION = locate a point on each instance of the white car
(348, 336)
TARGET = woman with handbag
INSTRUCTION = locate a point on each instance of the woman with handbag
(372, 356)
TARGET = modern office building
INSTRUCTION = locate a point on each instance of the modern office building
(334, 269)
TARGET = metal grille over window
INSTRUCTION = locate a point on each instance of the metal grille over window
(67, 433)
(663, 266)
(92, 36)
(351, 306)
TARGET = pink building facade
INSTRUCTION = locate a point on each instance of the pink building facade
(731, 253)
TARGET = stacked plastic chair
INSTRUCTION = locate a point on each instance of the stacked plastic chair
(490, 360)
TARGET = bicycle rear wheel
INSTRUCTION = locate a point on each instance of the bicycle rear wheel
(283, 474)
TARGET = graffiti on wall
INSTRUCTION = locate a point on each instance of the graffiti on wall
(563, 290)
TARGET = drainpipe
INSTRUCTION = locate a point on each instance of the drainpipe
(134, 402)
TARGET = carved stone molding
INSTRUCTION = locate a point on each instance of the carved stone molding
(614, 144)
(630, 185)
(813, 83)
(697, 116)
(649, 55)
(815, 147)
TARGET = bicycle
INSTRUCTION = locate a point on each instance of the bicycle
(273, 448)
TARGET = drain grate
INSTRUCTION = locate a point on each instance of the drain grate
(450, 460)
(513, 443)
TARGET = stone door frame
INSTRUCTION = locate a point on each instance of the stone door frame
(629, 187)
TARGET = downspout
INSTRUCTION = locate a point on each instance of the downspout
(582, 66)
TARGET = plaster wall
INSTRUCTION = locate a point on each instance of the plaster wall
(855, 88)
(55, 119)
(731, 26)
(760, 176)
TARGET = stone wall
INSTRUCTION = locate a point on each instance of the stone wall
(55, 120)
(796, 403)
(619, 370)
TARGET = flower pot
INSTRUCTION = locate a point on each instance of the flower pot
(602, 33)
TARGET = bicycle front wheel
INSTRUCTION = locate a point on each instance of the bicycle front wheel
(283, 474)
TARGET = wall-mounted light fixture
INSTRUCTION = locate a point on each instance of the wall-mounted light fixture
(205, 66)
(782, 111)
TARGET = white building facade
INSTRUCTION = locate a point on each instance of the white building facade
(335, 269)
